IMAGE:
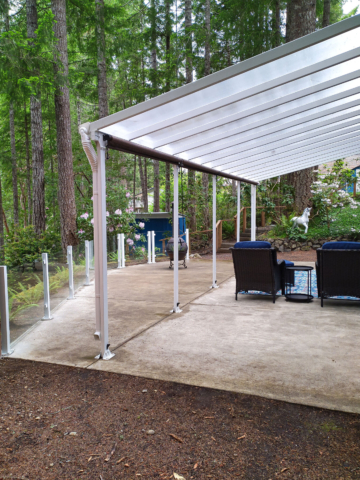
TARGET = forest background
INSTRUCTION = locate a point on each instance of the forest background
(66, 62)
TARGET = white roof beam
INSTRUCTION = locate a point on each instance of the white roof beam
(307, 159)
(299, 153)
(190, 134)
(291, 147)
(320, 159)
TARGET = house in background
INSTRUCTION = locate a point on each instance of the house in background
(356, 184)
(353, 163)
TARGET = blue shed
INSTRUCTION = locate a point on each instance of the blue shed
(160, 223)
(356, 174)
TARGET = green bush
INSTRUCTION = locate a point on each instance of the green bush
(23, 247)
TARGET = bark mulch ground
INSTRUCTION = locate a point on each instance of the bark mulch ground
(59, 422)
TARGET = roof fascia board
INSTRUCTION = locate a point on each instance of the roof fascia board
(115, 143)
(241, 67)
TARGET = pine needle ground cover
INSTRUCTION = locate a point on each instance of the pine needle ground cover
(66, 423)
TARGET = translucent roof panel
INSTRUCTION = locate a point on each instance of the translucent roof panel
(293, 107)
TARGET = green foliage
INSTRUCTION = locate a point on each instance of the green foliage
(329, 192)
(23, 247)
(228, 229)
(24, 295)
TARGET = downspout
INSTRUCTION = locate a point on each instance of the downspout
(92, 157)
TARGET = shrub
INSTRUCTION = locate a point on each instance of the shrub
(23, 247)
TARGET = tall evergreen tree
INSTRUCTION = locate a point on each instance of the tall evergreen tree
(301, 20)
(38, 177)
(66, 189)
(101, 59)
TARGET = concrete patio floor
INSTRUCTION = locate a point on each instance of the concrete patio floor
(299, 353)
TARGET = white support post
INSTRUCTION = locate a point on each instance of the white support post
(122, 242)
(153, 246)
(149, 246)
(105, 353)
(93, 158)
(87, 262)
(187, 236)
(253, 213)
(119, 250)
(45, 264)
(4, 312)
(214, 233)
(238, 212)
(71, 273)
(176, 308)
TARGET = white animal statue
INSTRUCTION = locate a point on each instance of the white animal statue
(303, 220)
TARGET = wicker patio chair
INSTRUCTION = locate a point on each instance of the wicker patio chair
(338, 270)
(258, 269)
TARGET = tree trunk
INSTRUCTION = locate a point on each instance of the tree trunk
(153, 74)
(1, 228)
(191, 200)
(101, 59)
(233, 188)
(188, 44)
(78, 111)
(301, 20)
(205, 184)
(277, 23)
(326, 14)
(66, 191)
(28, 167)
(143, 180)
(168, 27)
(156, 186)
(14, 165)
(207, 69)
(38, 174)
(167, 187)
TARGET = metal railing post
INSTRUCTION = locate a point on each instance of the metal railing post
(149, 246)
(45, 264)
(71, 273)
(188, 244)
(153, 246)
(91, 254)
(122, 241)
(87, 262)
(4, 312)
(119, 250)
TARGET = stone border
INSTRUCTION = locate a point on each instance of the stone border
(286, 245)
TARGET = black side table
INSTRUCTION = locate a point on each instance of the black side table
(298, 297)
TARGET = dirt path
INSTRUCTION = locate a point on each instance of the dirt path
(63, 423)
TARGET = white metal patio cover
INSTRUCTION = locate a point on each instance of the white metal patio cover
(290, 108)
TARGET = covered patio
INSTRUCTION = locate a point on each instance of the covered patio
(305, 355)
(290, 108)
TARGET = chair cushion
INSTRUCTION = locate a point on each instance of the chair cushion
(252, 245)
(288, 263)
(341, 246)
